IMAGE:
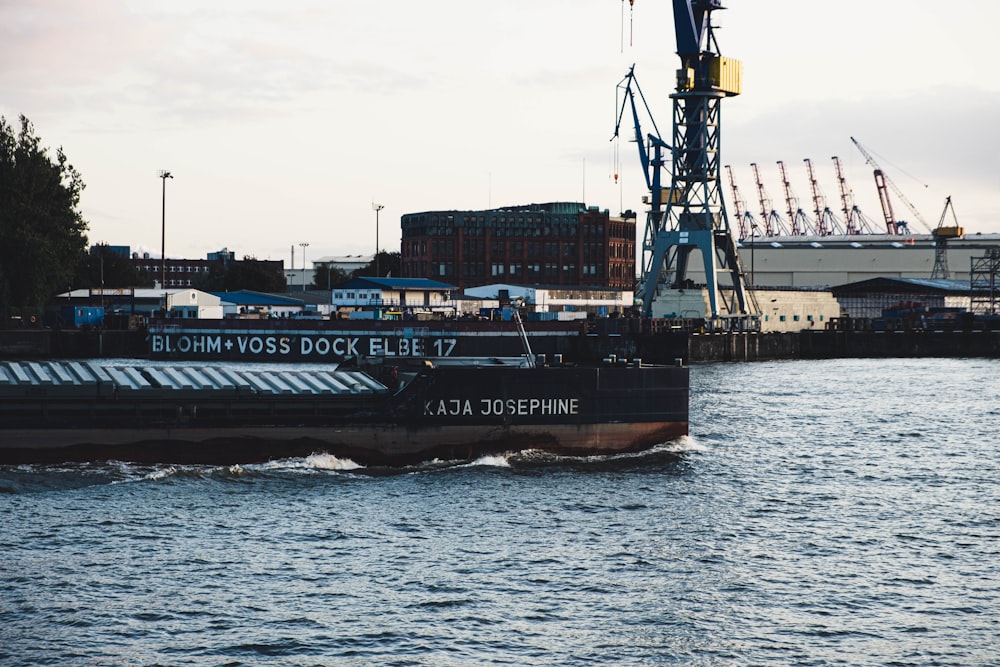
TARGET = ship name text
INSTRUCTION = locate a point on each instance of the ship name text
(492, 407)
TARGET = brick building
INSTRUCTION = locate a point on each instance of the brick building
(185, 272)
(560, 243)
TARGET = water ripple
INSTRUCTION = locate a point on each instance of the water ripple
(840, 512)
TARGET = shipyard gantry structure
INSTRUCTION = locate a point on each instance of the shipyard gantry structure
(689, 213)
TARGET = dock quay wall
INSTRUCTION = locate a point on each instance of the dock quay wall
(71, 344)
(659, 347)
(750, 346)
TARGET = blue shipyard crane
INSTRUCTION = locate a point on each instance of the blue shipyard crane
(651, 149)
(691, 214)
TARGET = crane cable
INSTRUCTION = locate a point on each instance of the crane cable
(615, 160)
(631, 6)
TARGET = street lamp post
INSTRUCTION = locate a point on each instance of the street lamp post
(164, 175)
(377, 208)
(303, 246)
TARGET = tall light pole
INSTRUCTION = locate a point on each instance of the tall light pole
(303, 246)
(377, 208)
(164, 175)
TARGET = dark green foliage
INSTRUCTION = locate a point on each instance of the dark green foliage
(42, 234)
(248, 274)
(103, 267)
(388, 265)
(327, 276)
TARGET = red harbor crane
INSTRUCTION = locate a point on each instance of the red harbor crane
(893, 226)
(826, 220)
(855, 221)
(773, 224)
(799, 220)
(744, 217)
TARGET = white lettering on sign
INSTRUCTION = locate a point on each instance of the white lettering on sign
(198, 344)
(304, 346)
(499, 407)
(444, 346)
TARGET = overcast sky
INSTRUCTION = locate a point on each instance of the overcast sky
(283, 122)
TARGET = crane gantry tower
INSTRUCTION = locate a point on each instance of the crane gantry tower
(826, 220)
(773, 224)
(855, 221)
(744, 218)
(801, 224)
(691, 214)
(893, 226)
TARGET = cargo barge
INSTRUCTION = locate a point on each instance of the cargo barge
(399, 414)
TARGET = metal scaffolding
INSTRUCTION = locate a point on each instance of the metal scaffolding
(984, 297)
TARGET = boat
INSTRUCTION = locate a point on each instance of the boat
(372, 412)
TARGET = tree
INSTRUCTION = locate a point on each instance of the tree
(327, 276)
(253, 274)
(389, 264)
(42, 233)
(249, 274)
(102, 267)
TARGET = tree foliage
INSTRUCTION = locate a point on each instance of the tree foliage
(103, 267)
(248, 274)
(389, 264)
(42, 233)
(326, 276)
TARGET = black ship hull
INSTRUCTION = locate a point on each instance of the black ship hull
(52, 413)
(330, 341)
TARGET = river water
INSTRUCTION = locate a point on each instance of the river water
(842, 512)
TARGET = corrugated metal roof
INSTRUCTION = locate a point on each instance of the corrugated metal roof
(937, 285)
(251, 298)
(18, 375)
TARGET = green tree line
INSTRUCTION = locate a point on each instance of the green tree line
(42, 233)
(43, 242)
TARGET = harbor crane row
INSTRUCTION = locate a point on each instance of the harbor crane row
(826, 220)
(773, 224)
(744, 218)
(691, 214)
(799, 220)
(853, 219)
